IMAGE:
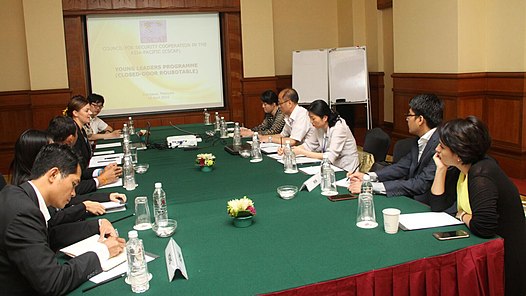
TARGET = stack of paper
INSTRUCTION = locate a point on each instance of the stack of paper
(105, 159)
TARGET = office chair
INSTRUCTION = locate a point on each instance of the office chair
(2, 181)
(402, 147)
(377, 143)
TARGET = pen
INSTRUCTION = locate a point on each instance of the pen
(105, 282)
(281, 142)
(122, 218)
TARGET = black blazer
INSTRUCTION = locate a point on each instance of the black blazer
(497, 210)
(409, 176)
(83, 148)
(28, 265)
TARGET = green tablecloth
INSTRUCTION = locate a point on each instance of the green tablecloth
(292, 243)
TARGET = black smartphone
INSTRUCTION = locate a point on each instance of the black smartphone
(451, 234)
(340, 197)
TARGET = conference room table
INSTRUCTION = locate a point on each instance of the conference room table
(304, 246)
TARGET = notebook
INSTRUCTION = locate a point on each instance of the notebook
(87, 245)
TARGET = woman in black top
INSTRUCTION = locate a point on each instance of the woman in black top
(489, 204)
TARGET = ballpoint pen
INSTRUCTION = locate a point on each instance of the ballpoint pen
(111, 279)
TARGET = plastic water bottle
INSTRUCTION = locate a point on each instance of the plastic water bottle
(160, 210)
(131, 129)
(237, 135)
(128, 172)
(289, 159)
(367, 185)
(207, 117)
(217, 122)
(256, 149)
(125, 132)
(138, 275)
(328, 179)
(222, 128)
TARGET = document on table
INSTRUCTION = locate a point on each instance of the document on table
(427, 220)
(103, 152)
(275, 156)
(118, 183)
(87, 245)
(112, 207)
(316, 169)
(269, 148)
(108, 145)
(343, 182)
(303, 160)
(120, 269)
(104, 160)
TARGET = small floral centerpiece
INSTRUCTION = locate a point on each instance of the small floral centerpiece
(242, 210)
(205, 161)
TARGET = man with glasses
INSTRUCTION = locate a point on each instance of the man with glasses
(413, 175)
(297, 122)
(97, 128)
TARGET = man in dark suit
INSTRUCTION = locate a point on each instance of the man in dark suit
(413, 175)
(28, 265)
(64, 130)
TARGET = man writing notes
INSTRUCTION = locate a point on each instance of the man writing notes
(27, 264)
(297, 121)
(413, 175)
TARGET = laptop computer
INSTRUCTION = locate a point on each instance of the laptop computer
(144, 145)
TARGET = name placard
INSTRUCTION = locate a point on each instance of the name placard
(174, 260)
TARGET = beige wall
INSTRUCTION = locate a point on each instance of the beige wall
(345, 23)
(388, 62)
(13, 50)
(46, 49)
(465, 36)
(425, 36)
(301, 24)
(506, 36)
(258, 38)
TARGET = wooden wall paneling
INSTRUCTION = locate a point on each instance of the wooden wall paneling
(472, 105)
(47, 104)
(99, 4)
(74, 4)
(231, 23)
(383, 4)
(15, 117)
(118, 4)
(148, 3)
(173, 3)
(283, 81)
(376, 87)
(76, 54)
(504, 122)
(252, 90)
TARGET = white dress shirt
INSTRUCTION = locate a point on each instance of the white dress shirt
(297, 125)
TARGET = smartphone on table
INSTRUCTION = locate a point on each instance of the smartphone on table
(447, 235)
(340, 197)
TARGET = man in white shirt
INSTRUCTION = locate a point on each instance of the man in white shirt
(297, 121)
(98, 129)
(413, 175)
(28, 265)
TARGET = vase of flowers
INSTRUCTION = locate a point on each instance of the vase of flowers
(205, 161)
(242, 210)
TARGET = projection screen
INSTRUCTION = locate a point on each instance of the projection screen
(155, 62)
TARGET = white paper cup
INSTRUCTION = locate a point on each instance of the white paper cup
(391, 218)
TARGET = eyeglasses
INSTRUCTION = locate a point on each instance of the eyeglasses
(100, 106)
(407, 115)
(281, 103)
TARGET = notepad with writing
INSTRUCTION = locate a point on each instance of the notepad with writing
(87, 245)
(112, 206)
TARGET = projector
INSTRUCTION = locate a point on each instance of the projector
(182, 141)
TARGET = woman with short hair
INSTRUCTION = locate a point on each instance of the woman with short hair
(487, 201)
(274, 119)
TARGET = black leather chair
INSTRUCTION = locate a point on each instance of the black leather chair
(2, 181)
(377, 143)
(402, 147)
